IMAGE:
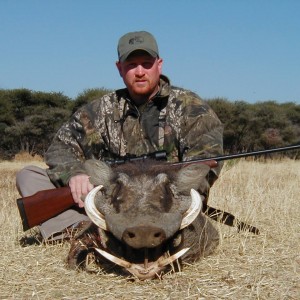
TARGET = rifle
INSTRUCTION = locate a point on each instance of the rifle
(46, 204)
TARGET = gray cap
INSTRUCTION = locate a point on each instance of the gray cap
(139, 40)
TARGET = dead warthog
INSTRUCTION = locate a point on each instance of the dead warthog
(145, 216)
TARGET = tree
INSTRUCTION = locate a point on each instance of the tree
(6, 109)
(30, 119)
(87, 96)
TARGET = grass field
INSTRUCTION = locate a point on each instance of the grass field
(245, 266)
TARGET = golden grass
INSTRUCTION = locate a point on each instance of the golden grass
(245, 266)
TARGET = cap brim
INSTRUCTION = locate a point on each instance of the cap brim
(126, 55)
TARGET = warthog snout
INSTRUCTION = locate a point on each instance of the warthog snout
(144, 236)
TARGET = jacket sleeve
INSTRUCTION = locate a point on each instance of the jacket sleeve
(75, 142)
(201, 135)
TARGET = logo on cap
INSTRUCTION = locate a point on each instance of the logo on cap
(136, 40)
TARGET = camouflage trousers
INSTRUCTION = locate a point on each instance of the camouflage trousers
(32, 179)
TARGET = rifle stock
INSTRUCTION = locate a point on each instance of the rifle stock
(43, 206)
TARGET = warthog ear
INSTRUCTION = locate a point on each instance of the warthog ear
(192, 177)
(100, 173)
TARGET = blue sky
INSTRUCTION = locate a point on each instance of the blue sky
(236, 49)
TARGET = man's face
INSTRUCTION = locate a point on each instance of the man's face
(140, 73)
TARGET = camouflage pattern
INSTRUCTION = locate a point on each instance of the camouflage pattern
(175, 120)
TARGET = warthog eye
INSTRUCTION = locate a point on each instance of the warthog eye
(165, 197)
(116, 197)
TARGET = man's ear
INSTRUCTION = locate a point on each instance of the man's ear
(119, 67)
(160, 64)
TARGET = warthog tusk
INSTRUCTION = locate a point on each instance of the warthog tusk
(91, 210)
(114, 259)
(168, 260)
(140, 271)
(193, 211)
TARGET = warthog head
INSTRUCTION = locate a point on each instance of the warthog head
(147, 216)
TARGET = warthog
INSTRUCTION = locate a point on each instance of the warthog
(145, 216)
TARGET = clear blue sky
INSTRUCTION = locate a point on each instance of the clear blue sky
(237, 49)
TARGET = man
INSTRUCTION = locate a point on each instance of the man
(146, 116)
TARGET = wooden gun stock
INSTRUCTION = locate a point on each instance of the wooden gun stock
(43, 206)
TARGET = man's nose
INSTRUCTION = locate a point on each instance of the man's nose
(139, 70)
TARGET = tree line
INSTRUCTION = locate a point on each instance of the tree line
(30, 119)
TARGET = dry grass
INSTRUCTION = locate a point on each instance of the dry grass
(244, 267)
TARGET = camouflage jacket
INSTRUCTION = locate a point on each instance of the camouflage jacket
(175, 120)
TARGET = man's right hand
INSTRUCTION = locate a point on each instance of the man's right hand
(80, 186)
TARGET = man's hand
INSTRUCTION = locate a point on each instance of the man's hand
(80, 185)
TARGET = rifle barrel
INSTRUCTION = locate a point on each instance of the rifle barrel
(244, 154)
